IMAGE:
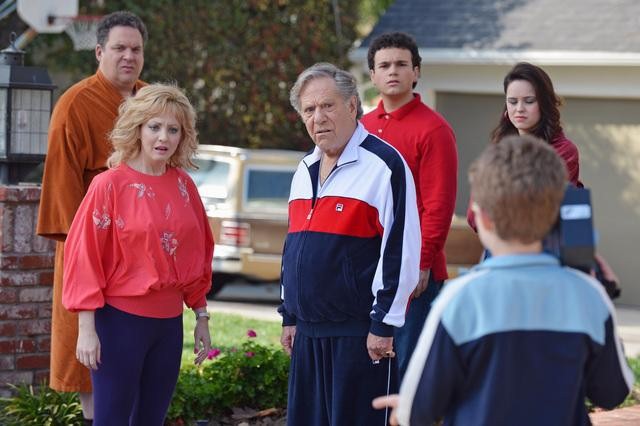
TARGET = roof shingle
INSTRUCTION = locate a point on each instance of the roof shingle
(564, 25)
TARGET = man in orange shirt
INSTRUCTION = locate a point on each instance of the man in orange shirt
(78, 149)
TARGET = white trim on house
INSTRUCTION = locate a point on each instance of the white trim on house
(602, 75)
(568, 80)
(509, 57)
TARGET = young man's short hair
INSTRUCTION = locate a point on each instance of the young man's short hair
(519, 183)
(390, 40)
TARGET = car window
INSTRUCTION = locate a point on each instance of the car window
(211, 179)
(268, 189)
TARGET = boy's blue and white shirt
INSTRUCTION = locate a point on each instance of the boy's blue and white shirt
(519, 340)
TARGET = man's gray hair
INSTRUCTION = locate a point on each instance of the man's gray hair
(345, 82)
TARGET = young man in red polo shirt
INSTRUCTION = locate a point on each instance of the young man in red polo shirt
(427, 143)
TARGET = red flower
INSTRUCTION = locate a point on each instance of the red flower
(213, 353)
(249, 354)
(251, 333)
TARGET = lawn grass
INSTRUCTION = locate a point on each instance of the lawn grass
(634, 363)
(634, 397)
(230, 330)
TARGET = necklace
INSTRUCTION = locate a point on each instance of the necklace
(325, 169)
(139, 166)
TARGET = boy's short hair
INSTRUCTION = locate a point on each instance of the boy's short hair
(519, 183)
(393, 40)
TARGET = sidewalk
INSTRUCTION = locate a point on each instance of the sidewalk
(629, 329)
(629, 416)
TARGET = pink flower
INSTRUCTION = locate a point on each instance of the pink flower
(213, 353)
(251, 333)
(249, 354)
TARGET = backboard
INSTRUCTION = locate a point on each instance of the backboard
(47, 16)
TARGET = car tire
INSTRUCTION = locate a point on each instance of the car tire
(218, 281)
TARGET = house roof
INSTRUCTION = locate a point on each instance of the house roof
(503, 27)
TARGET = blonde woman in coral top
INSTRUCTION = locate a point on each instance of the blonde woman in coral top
(139, 248)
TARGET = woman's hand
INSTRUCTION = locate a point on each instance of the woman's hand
(88, 345)
(202, 339)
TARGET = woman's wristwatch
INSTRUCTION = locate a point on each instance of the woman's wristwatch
(202, 314)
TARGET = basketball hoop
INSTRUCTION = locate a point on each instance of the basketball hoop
(82, 30)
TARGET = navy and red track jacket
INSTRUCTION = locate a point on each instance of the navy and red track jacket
(351, 256)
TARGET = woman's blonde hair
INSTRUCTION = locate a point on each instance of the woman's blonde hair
(151, 101)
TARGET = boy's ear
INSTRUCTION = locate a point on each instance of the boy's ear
(487, 223)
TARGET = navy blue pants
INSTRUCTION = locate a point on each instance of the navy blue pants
(140, 364)
(332, 381)
(406, 337)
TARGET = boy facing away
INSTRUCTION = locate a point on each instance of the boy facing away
(520, 339)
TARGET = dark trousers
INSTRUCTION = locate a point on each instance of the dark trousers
(140, 364)
(406, 337)
(332, 381)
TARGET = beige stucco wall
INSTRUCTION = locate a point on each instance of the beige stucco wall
(472, 118)
(607, 132)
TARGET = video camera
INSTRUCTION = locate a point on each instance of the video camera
(572, 239)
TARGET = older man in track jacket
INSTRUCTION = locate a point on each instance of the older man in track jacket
(351, 258)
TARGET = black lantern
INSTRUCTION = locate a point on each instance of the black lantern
(25, 110)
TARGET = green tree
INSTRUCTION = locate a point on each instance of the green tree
(370, 12)
(236, 59)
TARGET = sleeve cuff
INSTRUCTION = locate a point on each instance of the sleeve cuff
(287, 319)
(381, 329)
(426, 261)
(202, 303)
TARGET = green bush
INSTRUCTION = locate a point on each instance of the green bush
(252, 375)
(40, 406)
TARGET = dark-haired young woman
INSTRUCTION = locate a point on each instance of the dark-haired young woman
(531, 107)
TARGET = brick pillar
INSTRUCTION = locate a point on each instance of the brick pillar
(26, 279)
